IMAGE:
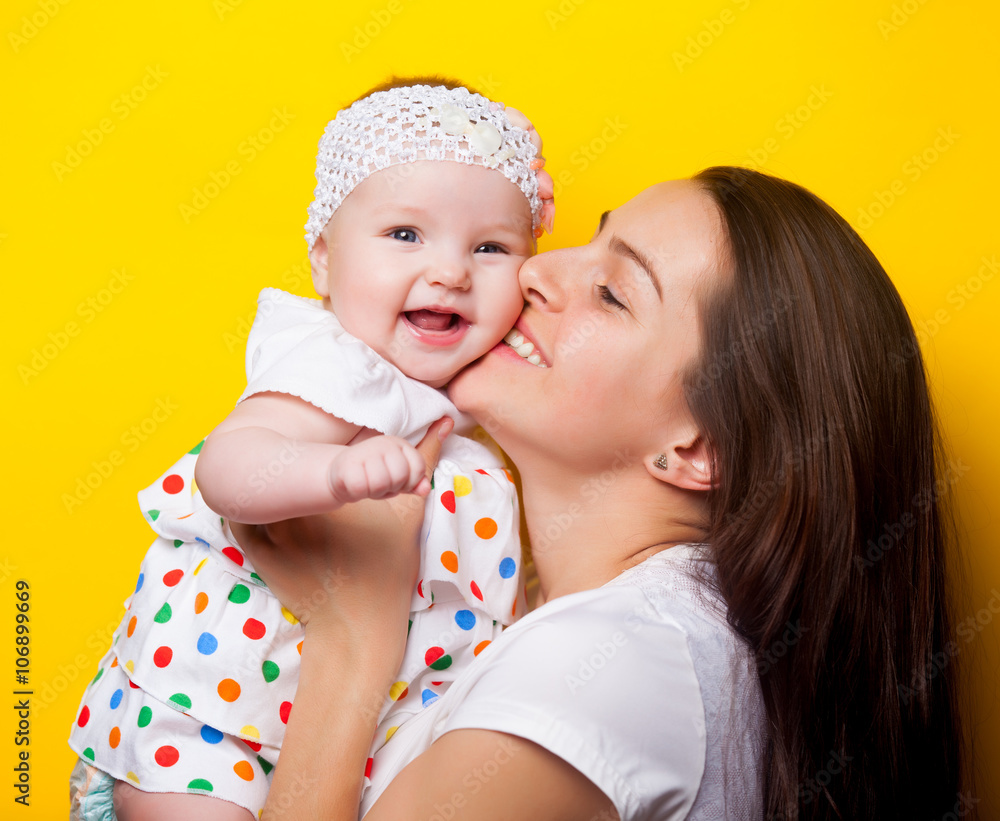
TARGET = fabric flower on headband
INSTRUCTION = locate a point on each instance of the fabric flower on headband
(484, 138)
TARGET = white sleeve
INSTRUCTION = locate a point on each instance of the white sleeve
(605, 681)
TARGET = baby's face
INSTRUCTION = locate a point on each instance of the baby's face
(420, 262)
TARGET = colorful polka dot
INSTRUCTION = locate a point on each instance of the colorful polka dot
(390, 732)
(138, 584)
(448, 500)
(132, 684)
(114, 737)
(145, 716)
(178, 542)
(116, 699)
(284, 711)
(200, 603)
(131, 776)
(163, 614)
(228, 690)
(480, 647)
(436, 659)
(476, 591)
(398, 690)
(486, 528)
(173, 484)
(162, 656)
(251, 732)
(233, 555)
(84, 717)
(130, 666)
(265, 765)
(509, 475)
(200, 785)
(368, 767)
(270, 671)
(450, 561)
(197, 448)
(244, 769)
(153, 515)
(182, 700)
(239, 594)
(465, 619)
(254, 629)
(171, 578)
(201, 564)
(253, 745)
(507, 568)
(299, 647)
(288, 616)
(89, 753)
(210, 735)
(207, 644)
(428, 697)
(166, 756)
(131, 626)
(463, 486)
(96, 678)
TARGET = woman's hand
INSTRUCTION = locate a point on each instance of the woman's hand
(348, 577)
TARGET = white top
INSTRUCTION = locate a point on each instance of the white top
(641, 685)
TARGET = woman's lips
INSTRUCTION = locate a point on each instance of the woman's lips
(439, 328)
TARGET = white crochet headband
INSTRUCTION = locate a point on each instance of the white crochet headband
(403, 125)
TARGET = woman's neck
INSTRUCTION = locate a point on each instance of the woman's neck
(586, 530)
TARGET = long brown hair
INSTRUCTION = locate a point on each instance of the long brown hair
(828, 522)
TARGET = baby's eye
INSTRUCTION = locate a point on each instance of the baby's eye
(491, 248)
(404, 234)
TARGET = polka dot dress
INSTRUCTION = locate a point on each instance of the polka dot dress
(197, 688)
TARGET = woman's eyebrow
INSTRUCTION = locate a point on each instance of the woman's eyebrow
(622, 248)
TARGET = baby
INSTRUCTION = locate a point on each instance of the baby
(428, 199)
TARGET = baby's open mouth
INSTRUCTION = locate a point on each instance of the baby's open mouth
(433, 321)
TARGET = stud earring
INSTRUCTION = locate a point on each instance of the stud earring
(660, 461)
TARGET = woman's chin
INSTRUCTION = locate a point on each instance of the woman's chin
(470, 389)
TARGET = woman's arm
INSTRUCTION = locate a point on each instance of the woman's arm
(348, 576)
(277, 457)
(489, 776)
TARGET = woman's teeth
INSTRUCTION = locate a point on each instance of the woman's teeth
(525, 349)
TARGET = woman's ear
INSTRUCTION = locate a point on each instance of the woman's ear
(318, 262)
(687, 464)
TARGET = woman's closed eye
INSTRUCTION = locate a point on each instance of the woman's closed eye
(608, 298)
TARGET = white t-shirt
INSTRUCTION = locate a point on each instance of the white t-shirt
(640, 684)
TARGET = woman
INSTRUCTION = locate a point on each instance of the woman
(728, 365)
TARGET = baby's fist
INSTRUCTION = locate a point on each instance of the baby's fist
(377, 468)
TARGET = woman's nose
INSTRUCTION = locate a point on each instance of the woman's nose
(543, 279)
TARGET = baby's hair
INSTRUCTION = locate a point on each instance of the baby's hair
(395, 81)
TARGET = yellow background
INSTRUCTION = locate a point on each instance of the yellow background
(839, 96)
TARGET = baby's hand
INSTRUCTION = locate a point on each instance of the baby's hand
(377, 468)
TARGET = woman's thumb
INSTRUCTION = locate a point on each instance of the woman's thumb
(430, 446)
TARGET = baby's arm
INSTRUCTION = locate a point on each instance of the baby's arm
(277, 457)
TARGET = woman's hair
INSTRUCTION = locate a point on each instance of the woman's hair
(828, 520)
